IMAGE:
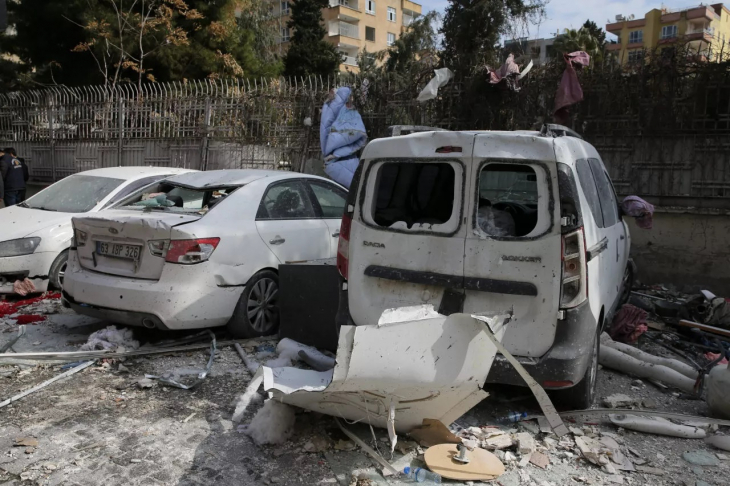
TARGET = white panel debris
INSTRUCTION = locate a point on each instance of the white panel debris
(272, 424)
(428, 367)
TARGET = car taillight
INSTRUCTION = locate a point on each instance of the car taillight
(343, 246)
(191, 251)
(575, 278)
(80, 238)
(158, 247)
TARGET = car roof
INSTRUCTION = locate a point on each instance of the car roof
(232, 177)
(129, 173)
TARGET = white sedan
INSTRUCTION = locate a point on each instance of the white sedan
(202, 250)
(35, 235)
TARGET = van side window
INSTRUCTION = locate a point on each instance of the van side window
(414, 193)
(589, 189)
(508, 197)
(609, 207)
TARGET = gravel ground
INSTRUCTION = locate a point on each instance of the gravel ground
(99, 427)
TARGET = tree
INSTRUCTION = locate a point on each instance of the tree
(411, 48)
(572, 40)
(472, 28)
(598, 33)
(309, 53)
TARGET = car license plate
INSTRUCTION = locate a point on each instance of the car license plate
(117, 250)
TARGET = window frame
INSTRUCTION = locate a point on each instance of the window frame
(367, 191)
(284, 11)
(602, 178)
(285, 34)
(639, 36)
(673, 34)
(388, 42)
(126, 191)
(549, 189)
(369, 3)
(392, 14)
(366, 34)
(305, 191)
(315, 201)
(597, 211)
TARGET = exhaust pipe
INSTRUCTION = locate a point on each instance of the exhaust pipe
(146, 322)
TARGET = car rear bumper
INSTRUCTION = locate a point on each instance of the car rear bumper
(566, 361)
(185, 297)
(34, 266)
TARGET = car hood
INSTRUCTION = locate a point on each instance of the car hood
(19, 222)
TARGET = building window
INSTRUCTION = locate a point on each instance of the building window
(370, 7)
(391, 38)
(535, 52)
(669, 31)
(391, 14)
(370, 34)
(636, 56)
(285, 35)
(284, 8)
(637, 36)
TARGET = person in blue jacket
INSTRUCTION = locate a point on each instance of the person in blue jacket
(13, 176)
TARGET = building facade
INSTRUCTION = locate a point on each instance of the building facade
(704, 28)
(539, 50)
(354, 26)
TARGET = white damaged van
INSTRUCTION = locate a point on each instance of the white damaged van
(475, 222)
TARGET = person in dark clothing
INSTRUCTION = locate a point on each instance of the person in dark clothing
(26, 176)
(13, 177)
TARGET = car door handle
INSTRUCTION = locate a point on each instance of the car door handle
(278, 240)
(336, 235)
(623, 237)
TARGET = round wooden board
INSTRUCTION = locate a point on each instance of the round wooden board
(483, 465)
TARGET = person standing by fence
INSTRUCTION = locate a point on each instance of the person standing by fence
(13, 176)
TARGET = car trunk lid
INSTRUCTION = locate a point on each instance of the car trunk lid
(118, 242)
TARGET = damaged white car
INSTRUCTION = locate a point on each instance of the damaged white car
(202, 250)
(36, 234)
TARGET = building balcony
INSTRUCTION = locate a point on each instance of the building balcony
(408, 5)
(613, 47)
(351, 4)
(344, 29)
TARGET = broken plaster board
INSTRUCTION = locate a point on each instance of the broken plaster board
(432, 368)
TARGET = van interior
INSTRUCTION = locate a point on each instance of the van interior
(507, 199)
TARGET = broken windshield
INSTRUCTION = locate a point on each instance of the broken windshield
(165, 196)
(74, 194)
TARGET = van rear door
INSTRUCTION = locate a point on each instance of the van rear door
(408, 230)
(513, 240)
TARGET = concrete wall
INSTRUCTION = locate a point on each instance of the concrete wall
(688, 251)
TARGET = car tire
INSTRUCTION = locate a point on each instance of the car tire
(58, 271)
(581, 396)
(257, 311)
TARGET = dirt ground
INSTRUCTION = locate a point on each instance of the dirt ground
(99, 427)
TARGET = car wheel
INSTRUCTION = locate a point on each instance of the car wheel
(58, 270)
(257, 311)
(581, 396)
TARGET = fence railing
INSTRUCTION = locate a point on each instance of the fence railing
(353, 4)
(344, 28)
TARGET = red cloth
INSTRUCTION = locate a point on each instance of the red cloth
(9, 308)
(29, 319)
(569, 90)
(628, 324)
(713, 356)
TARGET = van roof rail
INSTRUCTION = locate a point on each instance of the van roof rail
(555, 130)
(397, 130)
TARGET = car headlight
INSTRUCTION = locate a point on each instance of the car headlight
(23, 246)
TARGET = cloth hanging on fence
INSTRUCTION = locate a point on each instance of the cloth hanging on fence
(342, 134)
(431, 90)
(569, 90)
(637, 208)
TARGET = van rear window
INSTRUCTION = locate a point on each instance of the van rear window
(508, 196)
(413, 193)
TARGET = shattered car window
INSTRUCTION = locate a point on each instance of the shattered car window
(169, 197)
(508, 195)
(414, 193)
(74, 194)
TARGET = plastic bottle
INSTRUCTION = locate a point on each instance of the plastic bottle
(421, 475)
(512, 417)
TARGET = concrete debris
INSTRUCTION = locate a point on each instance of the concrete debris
(317, 444)
(346, 445)
(576, 431)
(701, 458)
(651, 470)
(525, 443)
(272, 424)
(540, 460)
(111, 339)
(145, 383)
(619, 400)
(718, 391)
(26, 442)
(503, 441)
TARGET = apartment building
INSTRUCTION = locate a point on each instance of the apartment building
(356, 25)
(704, 28)
(539, 50)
